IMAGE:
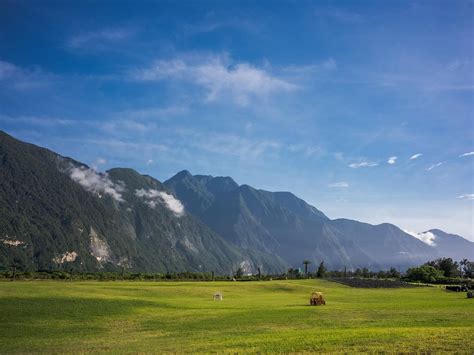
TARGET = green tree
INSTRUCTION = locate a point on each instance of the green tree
(467, 268)
(394, 273)
(321, 270)
(306, 263)
(449, 267)
(239, 273)
(365, 272)
(424, 273)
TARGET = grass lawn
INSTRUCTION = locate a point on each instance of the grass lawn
(62, 316)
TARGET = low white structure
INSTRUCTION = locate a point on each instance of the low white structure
(218, 296)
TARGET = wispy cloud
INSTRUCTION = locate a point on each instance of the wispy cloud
(154, 112)
(212, 24)
(340, 15)
(38, 121)
(329, 64)
(152, 197)
(392, 160)
(466, 197)
(342, 184)
(98, 183)
(307, 150)
(24, 78)
(99, 39)
(415, 156)
(232, 145)
(466, 154)
(98, 162)
(434, 166)
(364, 164)
(219, 75)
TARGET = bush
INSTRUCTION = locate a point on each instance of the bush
(424, 273)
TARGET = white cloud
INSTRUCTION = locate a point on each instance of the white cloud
(99, 39)
(339, 184)
(328, 65)
(364, 164)
(95, 182)
(152, 197)
(415, 156)
(23, 78)
(219, 76)
(155, 112)
(232, 145)
(392, 160)
(466, 154)
(307, 150)
(149, 162)
(466, 197)
(7, 70)
(426, 237)
(121, 126)
(339, 156)
(339, 14)
(98, 162)
(434, 166)
(42, 121)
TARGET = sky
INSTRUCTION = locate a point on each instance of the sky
(362, 108)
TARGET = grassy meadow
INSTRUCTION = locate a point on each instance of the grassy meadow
(62, 316)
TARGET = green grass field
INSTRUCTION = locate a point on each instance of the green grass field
(55, 316)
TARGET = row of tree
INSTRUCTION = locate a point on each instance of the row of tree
(440, 270)
(321, 271)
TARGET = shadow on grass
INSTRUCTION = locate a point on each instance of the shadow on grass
(46, 318)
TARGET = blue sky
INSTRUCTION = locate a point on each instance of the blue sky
(362, 108)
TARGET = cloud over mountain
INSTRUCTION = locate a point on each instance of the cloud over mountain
(152, 197)
(98, 183)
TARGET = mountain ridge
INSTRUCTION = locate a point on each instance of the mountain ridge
(57, 212)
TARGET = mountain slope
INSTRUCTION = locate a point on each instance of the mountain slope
(449, 245)
(58, 213)
(387, 244)
(283, 224)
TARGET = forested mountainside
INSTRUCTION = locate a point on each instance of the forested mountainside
(58, 213)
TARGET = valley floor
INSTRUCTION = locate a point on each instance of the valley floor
(61, 316)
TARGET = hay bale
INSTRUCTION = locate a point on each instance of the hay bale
(317, 299)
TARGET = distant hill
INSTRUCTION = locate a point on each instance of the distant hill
(283, 224)
(451, 245)
(57, 213)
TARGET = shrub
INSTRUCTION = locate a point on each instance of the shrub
(424, 273)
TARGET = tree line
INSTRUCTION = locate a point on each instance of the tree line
(442, 270)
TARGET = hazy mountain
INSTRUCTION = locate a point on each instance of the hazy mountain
(283, 224)
(56, 212)
(446, 244)
(386, 244)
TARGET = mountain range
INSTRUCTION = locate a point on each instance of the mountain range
(57, 213)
